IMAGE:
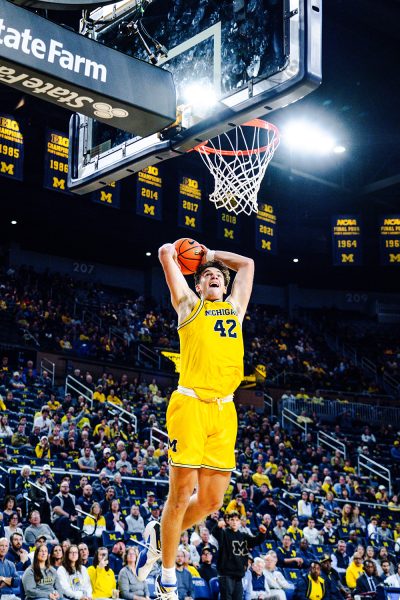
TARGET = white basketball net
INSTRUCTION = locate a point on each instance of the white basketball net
(238, 166)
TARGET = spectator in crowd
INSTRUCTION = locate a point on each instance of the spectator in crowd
(9, 578)
(340, 559)
(37, 528)
(337, 590)
(304, 552)
(10, 508)
(40, 580)
(85, 501)
(206, 568)
(115, 521)
(85, 557)
(73, 578)
(102, 577)
(259, 585)
(394, 580)
(94, 523)
(287, 554)
(17, 554)
(384, 570)
(87, 462)
(369, 580)
(56, 556)
(185, 544)
(354, 570)
(134, 521)
(279, 529)
(311, 534)
(116, 557)
(184, 579)
(64, 515)
(275, 579)
(130, 588)
(312, 586)
(12, 527)
(304, 508)
(294, 531)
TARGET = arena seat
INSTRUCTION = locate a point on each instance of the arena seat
(109, 538)
(201, 589)
(292, 575)
(214, 588)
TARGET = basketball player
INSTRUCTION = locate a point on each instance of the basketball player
(201, 416)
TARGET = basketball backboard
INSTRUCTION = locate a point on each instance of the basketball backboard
(231, 61)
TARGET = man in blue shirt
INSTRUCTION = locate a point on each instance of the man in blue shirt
(9, 578)
(184, 579)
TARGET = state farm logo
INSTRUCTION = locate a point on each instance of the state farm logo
(106, 111)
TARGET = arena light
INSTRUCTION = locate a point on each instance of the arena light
(200, 99)
(13, 222)
(295, 260)
(339, 149)
(148, 253)
(306, 137)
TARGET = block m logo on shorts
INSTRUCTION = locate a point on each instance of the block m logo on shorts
(172, 445)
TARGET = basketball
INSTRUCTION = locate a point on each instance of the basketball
(190, 255)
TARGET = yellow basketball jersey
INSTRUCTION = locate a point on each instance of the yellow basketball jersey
(211, 349)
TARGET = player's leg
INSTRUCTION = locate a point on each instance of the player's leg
(209, 496)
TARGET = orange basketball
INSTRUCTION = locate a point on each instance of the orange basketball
(190, 255)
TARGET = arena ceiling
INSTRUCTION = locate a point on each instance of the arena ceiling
(357, 101)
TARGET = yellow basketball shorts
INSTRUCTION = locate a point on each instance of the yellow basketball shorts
(201, 434)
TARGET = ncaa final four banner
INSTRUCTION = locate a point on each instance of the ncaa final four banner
(11, 148)
(389, 235)
(346, 240)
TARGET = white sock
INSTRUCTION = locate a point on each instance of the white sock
(168, 576)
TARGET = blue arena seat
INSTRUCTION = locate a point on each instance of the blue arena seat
(214, 588)
(109, 538)
(201, 588)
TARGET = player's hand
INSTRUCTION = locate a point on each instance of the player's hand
(204, 250)
(262, 529)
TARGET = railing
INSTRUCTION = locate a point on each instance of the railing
(369, 367)
(158, 435)
(144, 354)
(124, 415)
(367, 464)
(269, 404)
(324, 439)
(50, 367)
(116, 332)
(330, 410)
(391, 384)
(88, 315)
(71, 383)
(291, 417)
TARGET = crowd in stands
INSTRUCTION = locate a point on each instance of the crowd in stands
(58, 313)
(80, 484)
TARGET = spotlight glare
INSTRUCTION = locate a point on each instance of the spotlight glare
(13, 222)
(295, 260)
(308, 138)
(339, 149)
(148, 253)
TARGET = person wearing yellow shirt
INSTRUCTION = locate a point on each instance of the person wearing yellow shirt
(293, 530)
(260, 477)
(101, 576)
(2, 405)
(354, 570)
(313, 586)
(99, 395)
(302, 395)
(113, 398)
(103, 425)
(271, 467)
(236, 505)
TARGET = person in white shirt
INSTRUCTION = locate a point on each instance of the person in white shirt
(260, 589)
(394, 580)
(73, 577)
(311, 534)
(135, 521)
(304, 508)
(275, 580)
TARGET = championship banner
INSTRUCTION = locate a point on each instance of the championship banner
(56, 161)
(389, 235)
(11, 148)
(149, 193)
(265, 238)
(228, 226)
(110, 195)
(346, 240)
(189, 203)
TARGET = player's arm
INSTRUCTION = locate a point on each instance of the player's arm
(182, 297)
(243, 282)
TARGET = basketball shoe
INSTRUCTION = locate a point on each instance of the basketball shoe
(165, 591)
(151, 553)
